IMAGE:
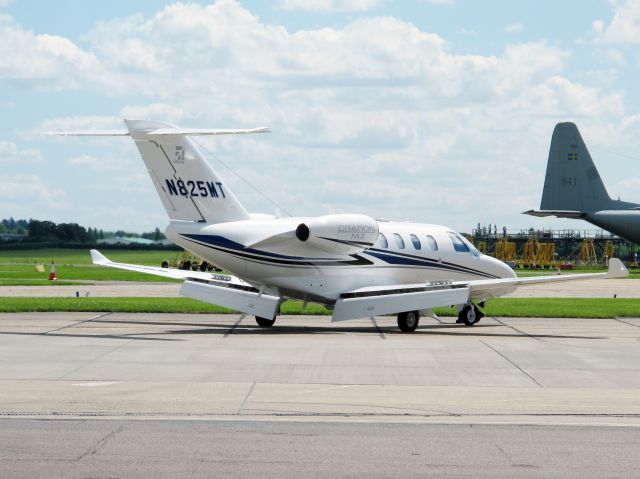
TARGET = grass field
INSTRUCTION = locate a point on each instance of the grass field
(18, 267)
(507, 307)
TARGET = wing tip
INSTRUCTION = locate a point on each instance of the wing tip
(98, 258)
(617, 269)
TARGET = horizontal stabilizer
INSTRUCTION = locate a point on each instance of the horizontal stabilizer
(88, 133)
(559, 213)
(163, 132)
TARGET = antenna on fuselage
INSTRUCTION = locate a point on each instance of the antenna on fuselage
(279, 209)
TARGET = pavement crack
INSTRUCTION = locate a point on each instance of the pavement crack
(101, 315)
(513, 328)
(253, 385)
(627, 322)
(512, 363)
(100, 444)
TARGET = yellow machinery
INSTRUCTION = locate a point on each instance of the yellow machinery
(538, 255)
(588, 252)
(505, 250)
(482, 247)
(544, 254)
(186, 260)
(608, 251)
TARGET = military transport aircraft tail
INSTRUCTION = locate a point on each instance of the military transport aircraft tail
(572, 185)
(189, 188)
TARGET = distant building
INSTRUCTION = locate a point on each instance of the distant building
(11, 237)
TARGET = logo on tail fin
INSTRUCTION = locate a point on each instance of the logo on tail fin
(178, 157)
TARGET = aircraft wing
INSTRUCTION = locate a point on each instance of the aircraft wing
(220, 289)
(372, 301)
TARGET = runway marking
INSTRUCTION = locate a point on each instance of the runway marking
(513, 363)
(101, 315)
(375, 323)
(96, 384)
(235, 325)
(329, 389)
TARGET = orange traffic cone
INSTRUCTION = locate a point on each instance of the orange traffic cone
(52, 271)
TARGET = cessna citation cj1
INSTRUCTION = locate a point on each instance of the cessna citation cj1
(356, 266)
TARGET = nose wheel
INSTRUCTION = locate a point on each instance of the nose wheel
(408, 321)
(469, 315)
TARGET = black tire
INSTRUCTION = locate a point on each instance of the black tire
(165, 264)
(408, 321)
(186, 265)
(203, 266)
(264, 322)
(470, 315)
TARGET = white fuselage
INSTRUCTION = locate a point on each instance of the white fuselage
(413, 253)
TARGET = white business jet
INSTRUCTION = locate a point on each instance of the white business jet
(353, 264)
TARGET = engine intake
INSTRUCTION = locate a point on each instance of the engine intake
(341, 234)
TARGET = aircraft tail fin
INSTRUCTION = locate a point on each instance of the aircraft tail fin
(572, 182)
(189, 188)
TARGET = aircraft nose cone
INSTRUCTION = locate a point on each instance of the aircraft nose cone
(500, 269)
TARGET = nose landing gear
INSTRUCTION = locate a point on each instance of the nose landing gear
(469, 315)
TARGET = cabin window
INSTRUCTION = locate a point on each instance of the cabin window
(415, 241)
(382, 241)
(433, 244)
(458, 244)
(399, 240)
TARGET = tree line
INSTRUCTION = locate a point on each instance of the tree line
(36, 231)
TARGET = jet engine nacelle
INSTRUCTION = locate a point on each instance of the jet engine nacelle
(339, 234)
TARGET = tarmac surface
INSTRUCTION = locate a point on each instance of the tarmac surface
(139, 395)
(593, 288)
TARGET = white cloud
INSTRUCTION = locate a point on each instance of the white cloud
(10, 153)
(30, 189)
(513, 28)
(45, 61)
(86, 161)
(328, 6)
(373, 112)
(153, 111)
(625, 25)
(79, 123)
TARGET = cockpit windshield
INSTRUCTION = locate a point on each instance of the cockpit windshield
(462, 245)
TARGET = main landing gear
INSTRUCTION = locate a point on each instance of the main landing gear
(470, 314)
(265, 322)
(408, 321)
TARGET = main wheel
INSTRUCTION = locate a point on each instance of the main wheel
(469, 315)
(408, 321)
(264, 322)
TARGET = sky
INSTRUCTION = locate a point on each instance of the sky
(434, 111)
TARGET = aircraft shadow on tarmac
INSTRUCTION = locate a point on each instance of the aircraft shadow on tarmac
(239, 329)
(443, 329)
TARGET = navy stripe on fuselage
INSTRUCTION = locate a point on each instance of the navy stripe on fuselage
(219, 243)
(225, 245)
(394, 257)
